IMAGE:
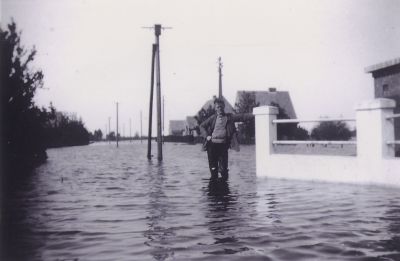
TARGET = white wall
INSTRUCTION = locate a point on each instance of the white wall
(374, 163)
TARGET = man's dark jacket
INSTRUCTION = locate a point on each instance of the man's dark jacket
(207, 128)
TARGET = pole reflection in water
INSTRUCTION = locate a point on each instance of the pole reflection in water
(157, 233)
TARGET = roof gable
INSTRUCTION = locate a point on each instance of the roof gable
(176, 125)
(383, 65)
(266, 98)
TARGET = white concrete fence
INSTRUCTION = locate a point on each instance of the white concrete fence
(374, 164)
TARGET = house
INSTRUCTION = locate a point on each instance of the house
(387, 85)
(191, 124)
(177, 127)
(270, 97)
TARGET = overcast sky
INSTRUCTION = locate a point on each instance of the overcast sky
(95, 52)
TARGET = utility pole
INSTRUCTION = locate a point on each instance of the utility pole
(140, 126)
(220, 78)
(109, 130)
(156, 58)
(163, 117)
(157, 28)
(151, 101)
(117, 125)
(130, 130)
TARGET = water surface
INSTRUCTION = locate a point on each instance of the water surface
(100, 202)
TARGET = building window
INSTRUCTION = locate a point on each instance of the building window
(385, 89)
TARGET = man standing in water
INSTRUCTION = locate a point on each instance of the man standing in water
(219, 132)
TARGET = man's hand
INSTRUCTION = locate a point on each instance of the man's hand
(208, 138)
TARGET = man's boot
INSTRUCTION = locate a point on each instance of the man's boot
(225, 175)
(214, 173)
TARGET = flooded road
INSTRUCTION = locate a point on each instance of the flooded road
(100, 202)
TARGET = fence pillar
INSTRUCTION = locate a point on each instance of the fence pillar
(266, 133)
(374, 130)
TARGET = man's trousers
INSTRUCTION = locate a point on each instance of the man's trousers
(218, 159)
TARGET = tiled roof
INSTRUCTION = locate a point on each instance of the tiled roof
(382, 65)
(268, 97)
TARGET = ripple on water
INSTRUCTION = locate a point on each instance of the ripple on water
(130, 208)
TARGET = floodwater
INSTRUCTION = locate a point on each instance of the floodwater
(98, 202)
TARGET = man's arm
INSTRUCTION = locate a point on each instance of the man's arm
(242, 117)
(204, 126)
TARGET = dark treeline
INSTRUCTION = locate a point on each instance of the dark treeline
(27, 130)
(64, 130)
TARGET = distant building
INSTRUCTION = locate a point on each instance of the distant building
(191, 124)
(387, 85)
(272, 96)
(177, 127)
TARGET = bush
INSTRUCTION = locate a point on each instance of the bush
(331, 130)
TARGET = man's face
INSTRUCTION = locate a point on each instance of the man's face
(219, 108)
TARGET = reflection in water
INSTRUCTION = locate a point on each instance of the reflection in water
(157, 234)
(392, 217)
(222, 215)
(15, 221)
(220, 197)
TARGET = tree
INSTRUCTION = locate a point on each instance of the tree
(97, 135)
(284, 131)
(331, 130)
(26, 130)
(64, 129)
(22, 121)
(246, 130)
(289, 131)
(111, 136)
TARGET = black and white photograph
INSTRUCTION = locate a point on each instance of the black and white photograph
(200, 130)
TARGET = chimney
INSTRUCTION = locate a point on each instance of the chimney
(272, 89)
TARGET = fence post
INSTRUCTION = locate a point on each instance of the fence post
(374, 130)
(266, 133)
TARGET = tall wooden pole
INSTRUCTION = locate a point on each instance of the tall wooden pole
(141, 136)
(117, 125)
(156, 58)
(151, 101)
(220, 78)
(163, 118)
(130, 130)
(159, 138)
(109, 129)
